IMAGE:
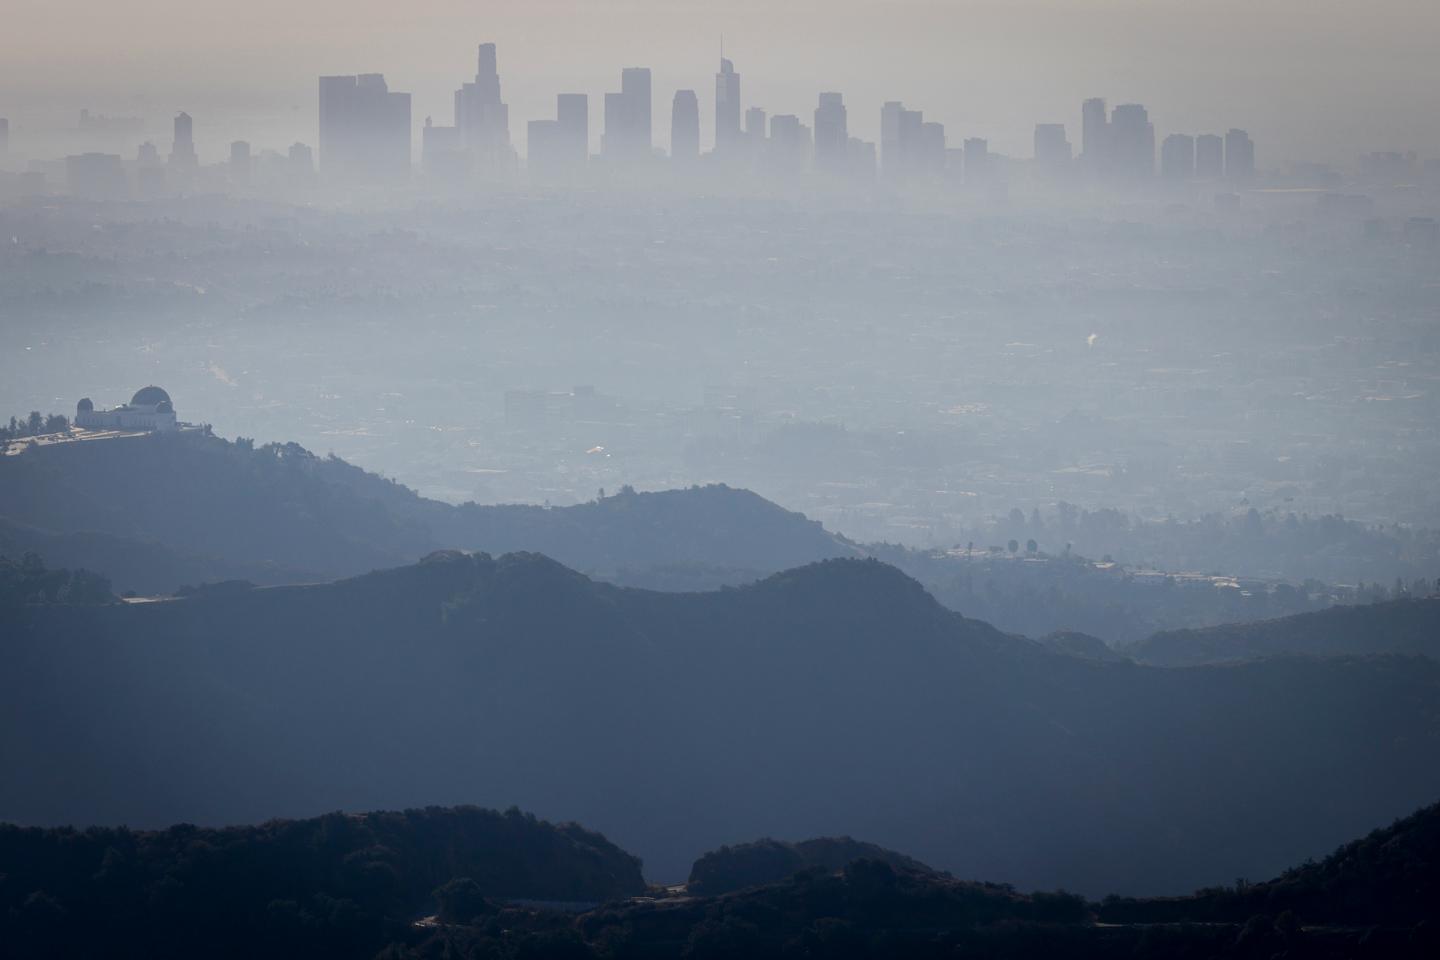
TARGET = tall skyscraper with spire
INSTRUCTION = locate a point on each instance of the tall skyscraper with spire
(482, 118)
(727, 105)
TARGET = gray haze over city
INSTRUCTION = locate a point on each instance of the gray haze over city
(934, 282)
(822, 470)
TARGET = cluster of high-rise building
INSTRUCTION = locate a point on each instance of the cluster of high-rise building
(366, 138)
(1121, 147)
(1117, 146)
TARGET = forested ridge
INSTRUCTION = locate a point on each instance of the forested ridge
(472, 884)
(1409, 626)
(833, 698)
(339, 885)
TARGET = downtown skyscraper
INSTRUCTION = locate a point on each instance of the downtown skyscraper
(685, 127)
(832, 134)
(627, 136)
(482, 119)
(727, 108)
(364, 129)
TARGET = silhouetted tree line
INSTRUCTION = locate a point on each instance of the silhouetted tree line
(1252, 542)
(1390, 877)
(870, 910)
(766, 861)
(435, 884)
(334, 886)
(36, 424)
(28, 580)
(1405, 626)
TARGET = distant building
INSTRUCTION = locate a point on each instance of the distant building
(910, 146)
(559, 148)
(149, 409)
(755, 126)
(1052, 149)
(442, 154)
(1209, 156)
(1387, 166)
(240, 163)
(364, 130)
(4, 136)
(930, 149)
(685, 127)
(789, 142)
(627, 134)
(1131, 143)
(1095, 138)
(1239, 156)
(912, 125)
(300, 165)
(861, 155)
(1177, 157)
(891, 164)
(832, 134)
(96, 176)
(727, 107)
(182, 148)
(482, 118)
(572, 112)
(301, 158)
(978, 169)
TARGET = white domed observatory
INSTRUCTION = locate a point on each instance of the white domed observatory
(149, 409)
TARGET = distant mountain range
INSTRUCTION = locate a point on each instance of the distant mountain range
(836, 698)
(157, 512)
(1395, 626)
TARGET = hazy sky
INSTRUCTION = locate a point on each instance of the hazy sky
(1309, 78)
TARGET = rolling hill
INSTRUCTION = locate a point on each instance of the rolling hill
(1394, 626)
(836, 698)
(153, 513)
(334, 886)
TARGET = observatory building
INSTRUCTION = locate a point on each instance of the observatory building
(149, 409)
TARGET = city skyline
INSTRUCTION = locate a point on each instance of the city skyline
(1222, 79)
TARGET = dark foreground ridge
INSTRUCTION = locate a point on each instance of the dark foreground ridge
(338, 885)
(830, 699)
(768, 861)
(469, 884)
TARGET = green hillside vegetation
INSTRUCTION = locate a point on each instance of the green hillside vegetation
(829, 699)
(1395, 626)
